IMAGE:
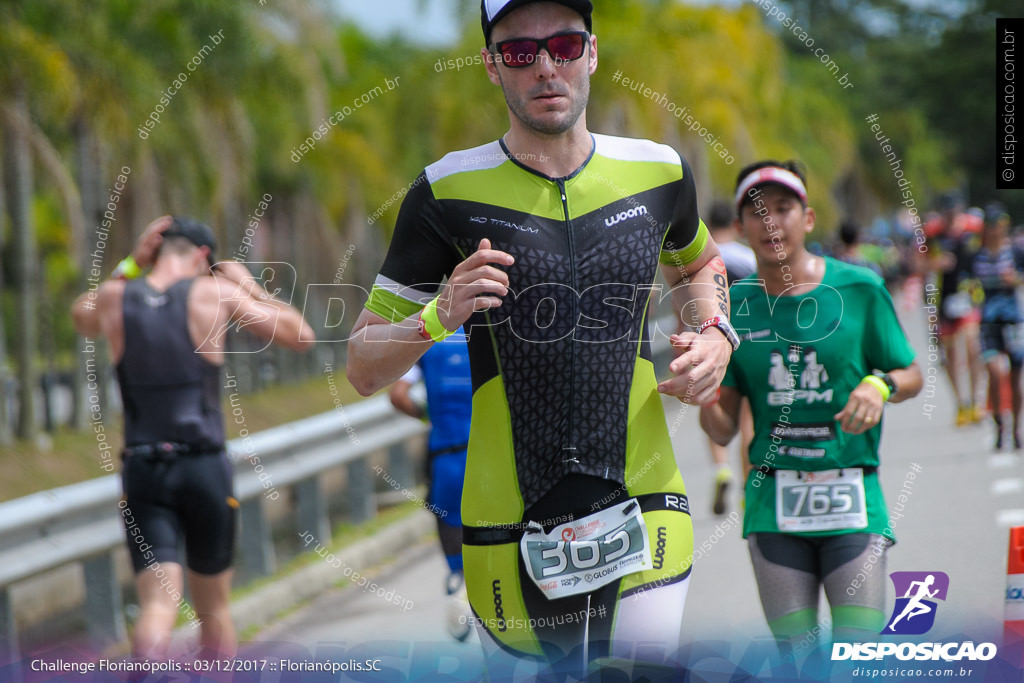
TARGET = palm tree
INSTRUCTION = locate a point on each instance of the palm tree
(18, 177)
(29, 64)
(5, 427)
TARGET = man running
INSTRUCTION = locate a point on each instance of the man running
(949, 252)
(550, 240)
(444, 370)
(999, 267)
(739, 263)
(176, 475)
(814, 508)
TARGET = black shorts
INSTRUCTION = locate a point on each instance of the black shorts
(175, 497)
(1002, 337)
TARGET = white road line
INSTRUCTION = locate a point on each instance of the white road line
(1003, 460)
(1008, 518)
(1004, 487)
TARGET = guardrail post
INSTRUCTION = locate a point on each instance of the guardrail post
(8, 628)
(400, 465)
(311, 509)
(103, 606)
(362, 503)
(257, 543)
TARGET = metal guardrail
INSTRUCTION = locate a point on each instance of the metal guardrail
(81, 522)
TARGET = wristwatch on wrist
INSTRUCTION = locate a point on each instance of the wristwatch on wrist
(889, 382)
(724, 327)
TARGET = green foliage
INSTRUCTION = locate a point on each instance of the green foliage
(230, 133)
(926, 70)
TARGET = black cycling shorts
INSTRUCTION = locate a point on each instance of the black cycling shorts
(1003, 337)
(635, 617)
(175, 497)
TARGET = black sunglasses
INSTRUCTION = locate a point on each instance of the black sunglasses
(563, 47)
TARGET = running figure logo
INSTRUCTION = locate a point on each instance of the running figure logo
(914, 613)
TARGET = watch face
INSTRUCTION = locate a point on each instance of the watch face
(729, 332)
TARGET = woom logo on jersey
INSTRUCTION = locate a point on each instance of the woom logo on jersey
(659, 551)
(626, 215)
(499, 611)
(914, 615)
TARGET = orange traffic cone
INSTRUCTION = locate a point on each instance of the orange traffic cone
(1013, 626)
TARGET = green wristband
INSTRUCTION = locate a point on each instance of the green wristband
(432, 324)
(128, 269)
(878, 383)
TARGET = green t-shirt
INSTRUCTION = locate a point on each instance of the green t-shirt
(800, 358)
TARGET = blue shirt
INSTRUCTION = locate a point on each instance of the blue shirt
(445, 373)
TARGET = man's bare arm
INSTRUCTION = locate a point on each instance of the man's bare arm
(721, 420)
(401, 398)
(260, 312)
(699, 292)
(379, 352)
(85, 314)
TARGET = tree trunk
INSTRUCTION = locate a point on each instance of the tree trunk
(89, 174)
(48, 350)
(6, 436)
(18, 175)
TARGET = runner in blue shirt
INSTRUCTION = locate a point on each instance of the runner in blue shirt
(444, 370)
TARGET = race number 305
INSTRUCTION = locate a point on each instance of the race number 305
(589, 553)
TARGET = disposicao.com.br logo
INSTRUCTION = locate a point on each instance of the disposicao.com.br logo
(912, 615)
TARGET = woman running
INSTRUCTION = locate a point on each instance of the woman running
(823, 353)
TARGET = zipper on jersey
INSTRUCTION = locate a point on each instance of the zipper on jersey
(570, 453)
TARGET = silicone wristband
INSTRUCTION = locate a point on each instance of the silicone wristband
(128, 269)
(432, 324)
(879, 384)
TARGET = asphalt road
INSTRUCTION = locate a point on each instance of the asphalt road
(959, 505)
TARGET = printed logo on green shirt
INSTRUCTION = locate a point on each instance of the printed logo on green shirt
(803, 364)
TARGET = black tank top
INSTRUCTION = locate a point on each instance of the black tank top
(170, 392)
